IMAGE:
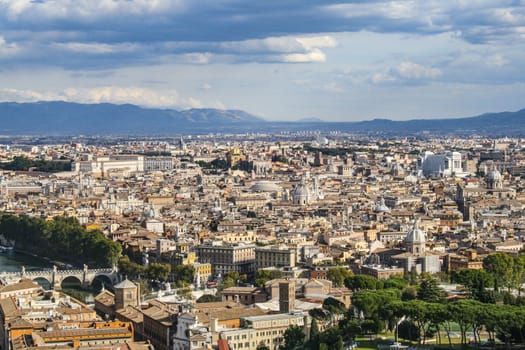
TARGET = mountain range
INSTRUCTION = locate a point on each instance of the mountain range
(65, 118)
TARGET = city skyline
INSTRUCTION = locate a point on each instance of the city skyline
(337, 61)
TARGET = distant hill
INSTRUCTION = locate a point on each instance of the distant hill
(64, 118)
(489, 124)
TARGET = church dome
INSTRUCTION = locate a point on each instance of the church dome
(265, 186)
(494, 175)
(381, 207)
(416, 235)
(301, 191)
(301, 194)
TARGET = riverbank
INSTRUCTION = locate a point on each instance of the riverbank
(49, 262)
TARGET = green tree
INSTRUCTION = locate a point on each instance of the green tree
(338, 275)
(208, 298)
(157, 271)
(475, 281)
(428, 290)
(183, 274)
(500, 266)
(396, 282)
(518, 273)
(314, 329)
(293, 338)
(339, 344)
(130, 268)
(360, 282)
(264, 276)
(409, 293)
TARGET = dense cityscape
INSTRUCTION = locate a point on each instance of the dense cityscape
(259, 241)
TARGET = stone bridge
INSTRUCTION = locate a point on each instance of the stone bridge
(55, 277)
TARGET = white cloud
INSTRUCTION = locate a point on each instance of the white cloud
(197, 58)
(96, 48)
(18, 95)
(7, 49)
(86, 10)
(497, 60)
(382, 78)
(406, 72)
(410, 70)
(110, 94)
(314, 55)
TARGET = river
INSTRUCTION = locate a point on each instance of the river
(11, 261)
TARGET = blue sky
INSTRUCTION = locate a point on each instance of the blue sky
(281, 60)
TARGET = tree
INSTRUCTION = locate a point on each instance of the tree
(369, 327)
(369, 302)
(160, 272)
(208, 298)
(130, 268)
(183, 274)
(409, 293)
(518, 273)
(475, 281)
(334, 308)
(314, 329)
(408, 330)
(428, 290)
(264, 276)
(339, 344)
(500, 267)
(338, 275)
(360, 282)
(396, 282)
(293, 338)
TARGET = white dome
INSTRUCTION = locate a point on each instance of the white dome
(301, 191)
(416, 235)
(265, 186)
(381, 207)
(494, 175)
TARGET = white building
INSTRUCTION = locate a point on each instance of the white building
(440, 165)
(104, 165)
(158, 163)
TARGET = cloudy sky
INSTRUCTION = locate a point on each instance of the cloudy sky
(282, 60)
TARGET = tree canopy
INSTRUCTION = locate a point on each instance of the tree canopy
(62, 239)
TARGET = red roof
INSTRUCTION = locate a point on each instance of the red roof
(223, 344)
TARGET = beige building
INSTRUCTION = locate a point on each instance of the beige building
(281, 256)
(267, 330)
(228, 257)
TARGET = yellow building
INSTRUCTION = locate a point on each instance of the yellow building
(234, 157)
(201, 272)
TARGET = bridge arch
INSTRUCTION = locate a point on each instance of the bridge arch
(43, 282)
(55, 277)
(71, 282)
(102, 280)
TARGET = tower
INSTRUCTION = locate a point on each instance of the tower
(126, 293)
(286, 296)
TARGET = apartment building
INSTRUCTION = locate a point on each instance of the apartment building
(275, 256)
(228, 257)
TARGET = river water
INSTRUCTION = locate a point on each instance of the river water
(11, 261)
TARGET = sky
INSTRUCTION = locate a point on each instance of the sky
(280, 60)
